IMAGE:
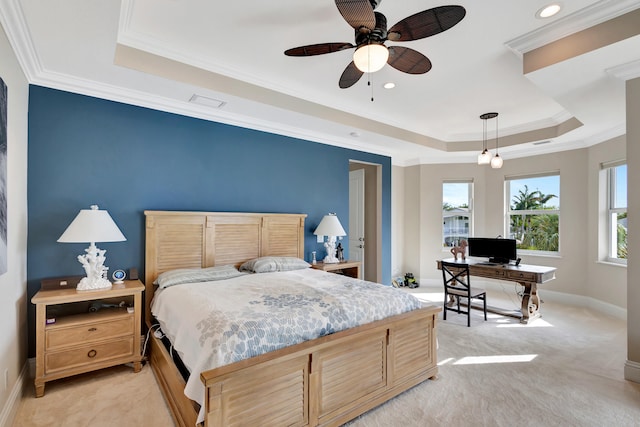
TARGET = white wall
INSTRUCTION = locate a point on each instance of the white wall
(410, 223)
(632, 366)
(13, 284)
(397, 220)
(578, 270)
(606, 282)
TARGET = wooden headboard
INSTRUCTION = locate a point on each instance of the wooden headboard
(203, 239)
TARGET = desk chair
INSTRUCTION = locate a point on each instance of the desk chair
(457, 284)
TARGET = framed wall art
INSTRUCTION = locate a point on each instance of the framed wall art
(3, 177)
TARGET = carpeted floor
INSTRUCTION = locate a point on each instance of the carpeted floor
(565, 369)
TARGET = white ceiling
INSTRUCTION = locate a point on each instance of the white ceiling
(159, 53)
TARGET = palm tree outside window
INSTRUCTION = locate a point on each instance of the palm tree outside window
(534, 212)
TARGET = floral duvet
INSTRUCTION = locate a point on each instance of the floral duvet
(212, 324)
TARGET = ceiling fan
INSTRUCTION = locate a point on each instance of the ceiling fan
(371, 32)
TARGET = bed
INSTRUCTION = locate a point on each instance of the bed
(321, 381)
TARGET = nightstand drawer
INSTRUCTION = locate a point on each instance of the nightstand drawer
(88, 332)
(88, 354)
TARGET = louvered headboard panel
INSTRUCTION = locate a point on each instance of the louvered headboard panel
(204, 239)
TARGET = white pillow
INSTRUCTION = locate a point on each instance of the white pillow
(268, 264)
(191, 275)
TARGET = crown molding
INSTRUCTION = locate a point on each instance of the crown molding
(17, 31)
(16, 28)
(548, 122)
(628, 71)
(606, 135)
(582, 19)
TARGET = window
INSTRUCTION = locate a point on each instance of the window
(456, 211)
(534, 212)
(617, 213)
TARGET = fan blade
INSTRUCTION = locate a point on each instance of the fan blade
(350, 76)
(317, 49)
(426, 23)
(357, 13)
(408, 60)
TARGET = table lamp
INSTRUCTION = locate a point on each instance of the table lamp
(91, 226)
(330, 226)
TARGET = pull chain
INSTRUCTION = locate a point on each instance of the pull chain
(369, 67)
(370, 85)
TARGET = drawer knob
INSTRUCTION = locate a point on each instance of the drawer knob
(93, 329)
(92, 353)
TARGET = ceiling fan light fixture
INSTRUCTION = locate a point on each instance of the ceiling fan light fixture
(370, 58)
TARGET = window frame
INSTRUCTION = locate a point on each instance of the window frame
(536, 212)
(469, 213)
(612, 229)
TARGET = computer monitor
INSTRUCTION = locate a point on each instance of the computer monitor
(498, 250)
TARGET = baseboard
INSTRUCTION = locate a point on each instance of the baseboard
(632, 371)
(548, 295)
(13, 402)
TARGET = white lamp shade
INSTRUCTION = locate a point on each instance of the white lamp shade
(496, 162)
(91, 226)
(330, 226)
(370, 58)
(484, 158)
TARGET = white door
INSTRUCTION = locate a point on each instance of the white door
(356, 217)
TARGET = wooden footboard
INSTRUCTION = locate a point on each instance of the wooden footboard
(327, 381)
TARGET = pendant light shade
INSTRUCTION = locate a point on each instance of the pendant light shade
(496, 161)
(484, 158)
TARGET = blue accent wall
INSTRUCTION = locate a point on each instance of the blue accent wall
(128, 159)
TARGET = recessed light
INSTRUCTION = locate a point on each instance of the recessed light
(548, 11)
(389, 85)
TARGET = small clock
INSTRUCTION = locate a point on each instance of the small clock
(118, 276)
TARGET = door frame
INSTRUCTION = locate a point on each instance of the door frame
(372, 219)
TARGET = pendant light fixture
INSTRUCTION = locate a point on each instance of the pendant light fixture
(485, 158)
(496, 161)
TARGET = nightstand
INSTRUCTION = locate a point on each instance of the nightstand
(347, 268)
(82, 331)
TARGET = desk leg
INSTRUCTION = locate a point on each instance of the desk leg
(530, 302)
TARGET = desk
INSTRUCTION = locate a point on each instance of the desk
(529, 276)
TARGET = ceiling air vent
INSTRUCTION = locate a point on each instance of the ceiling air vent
(207, 102)
(541, 142)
